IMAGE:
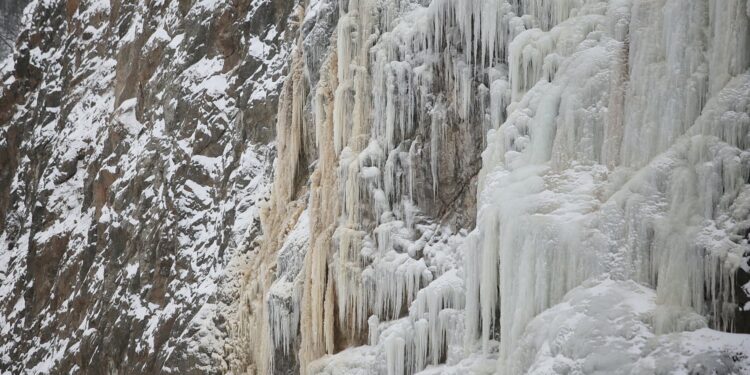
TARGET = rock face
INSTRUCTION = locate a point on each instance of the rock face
(135, 146)
(445, 186)
(10, 24)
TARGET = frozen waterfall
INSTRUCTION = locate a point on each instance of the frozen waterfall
(499, 186)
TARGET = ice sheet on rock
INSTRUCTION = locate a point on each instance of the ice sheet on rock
(285, 293)
(615, 147)
(606, 325)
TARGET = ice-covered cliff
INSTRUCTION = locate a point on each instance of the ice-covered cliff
(509, 186)
(444, 186)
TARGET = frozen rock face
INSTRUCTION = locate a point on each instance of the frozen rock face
(10, 24)
(135, 146)
(613, 189)
(362, 186)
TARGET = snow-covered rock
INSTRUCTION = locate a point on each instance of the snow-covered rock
(135, 149)
(377, 186)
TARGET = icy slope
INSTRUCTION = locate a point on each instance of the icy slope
(612, 190)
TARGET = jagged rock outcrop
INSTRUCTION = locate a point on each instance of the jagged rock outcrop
(135, 146)
(10, 24)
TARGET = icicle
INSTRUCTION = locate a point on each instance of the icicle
(373, 324)
(436, 134)
(316, 323)
(421, 341)
(473, 272)
(498, 101)
(488, 287)
(395, 355)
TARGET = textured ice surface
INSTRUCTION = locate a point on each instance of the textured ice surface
(612, 195)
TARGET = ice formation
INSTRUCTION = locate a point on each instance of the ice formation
(459, 186)
(613, 189)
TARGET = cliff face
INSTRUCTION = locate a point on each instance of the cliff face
(360, 186)
(599, 147)
(10, 24)
(136, 143)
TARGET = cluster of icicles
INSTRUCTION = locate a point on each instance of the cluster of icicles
(616, 146)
